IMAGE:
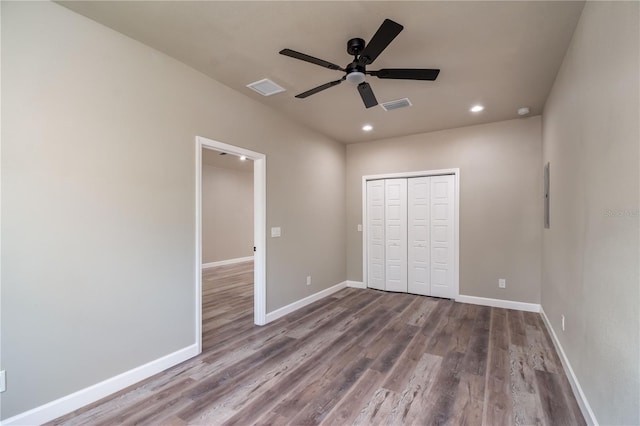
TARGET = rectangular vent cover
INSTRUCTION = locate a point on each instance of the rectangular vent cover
(399, 103)
(265, 87)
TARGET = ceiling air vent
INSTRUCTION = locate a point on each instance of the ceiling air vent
(265, 87)
(399, 103)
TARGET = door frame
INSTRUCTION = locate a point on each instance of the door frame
(456, 218)
(259, 229)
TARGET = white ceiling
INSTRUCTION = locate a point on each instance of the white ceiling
(503, 55)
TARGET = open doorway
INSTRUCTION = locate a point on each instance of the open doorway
(227, 209)
(238, 255)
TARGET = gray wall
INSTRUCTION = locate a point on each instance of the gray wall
(227, 213)
(500, 200)
(590, 263)
(98, 201)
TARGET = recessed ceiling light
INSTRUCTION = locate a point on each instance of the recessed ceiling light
(367, 127)
(476, 108)
(242, 158)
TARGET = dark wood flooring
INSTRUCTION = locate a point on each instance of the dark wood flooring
(357, 357)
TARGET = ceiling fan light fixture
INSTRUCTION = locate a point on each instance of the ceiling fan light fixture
(355, 77)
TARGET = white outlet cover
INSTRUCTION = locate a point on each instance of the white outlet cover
(275, 232)
(359, 227)
(502, 283)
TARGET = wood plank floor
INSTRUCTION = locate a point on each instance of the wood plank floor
(360, 357)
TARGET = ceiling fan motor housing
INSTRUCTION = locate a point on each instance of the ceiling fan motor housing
(355, 46)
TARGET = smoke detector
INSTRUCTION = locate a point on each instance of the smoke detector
(523, 111)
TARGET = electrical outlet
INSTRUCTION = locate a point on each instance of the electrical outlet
(359, 228)
(308, 279)
(502, 283)
(562, 322)
(3, 381)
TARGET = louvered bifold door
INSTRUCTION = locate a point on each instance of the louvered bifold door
(442, 234)
(375, 235)
(410, 235)
(419, 241)
(396, 235)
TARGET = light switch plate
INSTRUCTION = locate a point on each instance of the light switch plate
(359, 228)
(275, 232)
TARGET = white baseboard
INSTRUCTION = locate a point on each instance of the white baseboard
(499, 303)
(226, 262)
(79, 399)
(587, 412)
(356, 284)
(279, 313)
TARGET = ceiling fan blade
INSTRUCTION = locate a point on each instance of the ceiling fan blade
(367, 95)
(311, 59)
(380, 40)
(319, 88)
(406, 73)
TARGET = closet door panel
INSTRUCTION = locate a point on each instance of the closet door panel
(442, 234)
(419, 243)
(375, 235)
(396, 234)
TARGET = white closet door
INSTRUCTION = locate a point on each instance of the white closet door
(375, 234)
(396, 234)
(419, 242)
(442, 211)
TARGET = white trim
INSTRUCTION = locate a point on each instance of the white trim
(279, 313)
(260, 240)
(583, 403)
(356, 284)
(83, 397)
(499, 303)
(226, 262)
(198, 248)
(422, 173)
(259, 228)
(456, 219)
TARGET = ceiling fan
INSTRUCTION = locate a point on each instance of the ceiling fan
(362, 56)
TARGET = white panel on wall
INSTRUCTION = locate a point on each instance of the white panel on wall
(396, 234)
